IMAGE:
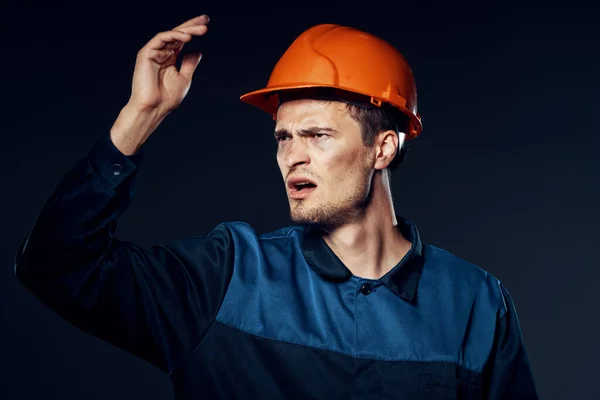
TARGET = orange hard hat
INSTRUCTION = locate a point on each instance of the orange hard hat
(346, 59)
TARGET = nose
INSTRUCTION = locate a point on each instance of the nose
(295, 154)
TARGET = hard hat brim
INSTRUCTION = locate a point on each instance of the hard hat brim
(267, 99)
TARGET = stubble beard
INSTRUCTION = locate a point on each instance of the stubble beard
(330, 215)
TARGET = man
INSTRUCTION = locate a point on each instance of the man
(346, 303)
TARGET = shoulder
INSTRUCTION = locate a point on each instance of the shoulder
(461, 277)
(244, 232)
(442, 261)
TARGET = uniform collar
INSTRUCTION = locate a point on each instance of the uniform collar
(403, 279)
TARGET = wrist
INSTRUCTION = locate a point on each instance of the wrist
(133, 127)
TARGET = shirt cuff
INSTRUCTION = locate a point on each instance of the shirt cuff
(114, 167)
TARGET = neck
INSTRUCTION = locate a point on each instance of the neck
(370, 245)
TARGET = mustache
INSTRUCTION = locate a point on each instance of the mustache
(301, 173)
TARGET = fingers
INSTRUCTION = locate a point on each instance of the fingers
(195, 30)
(159, 41)
(201, 20)
(168, 43)
(160, 56)
(176, 37)
(189, 64)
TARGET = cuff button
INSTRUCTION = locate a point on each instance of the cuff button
(117, 169)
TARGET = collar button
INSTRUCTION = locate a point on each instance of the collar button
(366, 289)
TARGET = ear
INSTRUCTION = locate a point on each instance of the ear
(387, 146)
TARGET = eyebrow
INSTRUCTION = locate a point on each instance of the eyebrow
(304, 132)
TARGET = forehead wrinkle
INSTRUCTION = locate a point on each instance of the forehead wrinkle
(304, 109)
(303, 115)
(307, 125)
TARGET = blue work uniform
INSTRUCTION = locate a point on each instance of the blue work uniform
(234, 314)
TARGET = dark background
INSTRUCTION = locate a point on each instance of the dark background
(505, 174)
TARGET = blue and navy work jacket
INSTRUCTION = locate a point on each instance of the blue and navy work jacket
(233, 314)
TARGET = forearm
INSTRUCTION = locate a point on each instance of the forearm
(74, 228)
(113, 289)
(71, 261)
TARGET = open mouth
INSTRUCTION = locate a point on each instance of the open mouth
(302, 187)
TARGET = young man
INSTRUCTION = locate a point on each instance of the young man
(346, 303)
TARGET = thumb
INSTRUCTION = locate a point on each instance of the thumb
(189, 64)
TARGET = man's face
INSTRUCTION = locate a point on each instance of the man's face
(319, 141)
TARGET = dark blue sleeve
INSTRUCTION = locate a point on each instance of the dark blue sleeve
(155, 302)
(509, 374)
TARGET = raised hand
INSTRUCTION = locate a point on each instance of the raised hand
(158, 87)
(157, 84)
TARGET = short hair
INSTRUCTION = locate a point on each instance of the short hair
(375, 120)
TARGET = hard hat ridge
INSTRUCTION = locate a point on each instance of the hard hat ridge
(349, 61)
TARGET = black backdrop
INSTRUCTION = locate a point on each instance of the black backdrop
(505, 174)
